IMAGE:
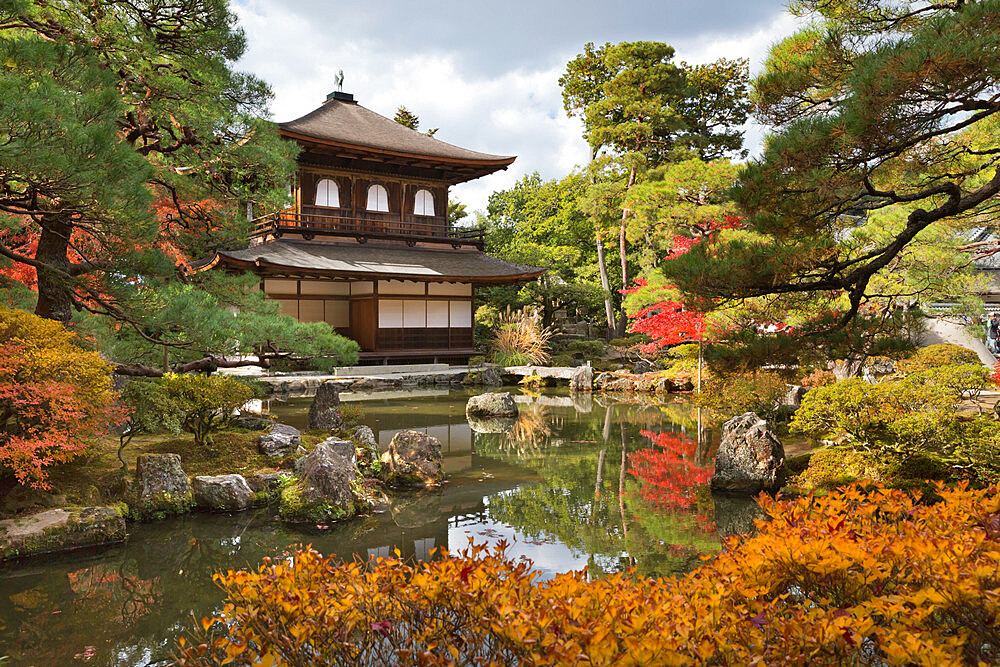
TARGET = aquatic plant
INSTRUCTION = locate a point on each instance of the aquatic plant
(865, 576)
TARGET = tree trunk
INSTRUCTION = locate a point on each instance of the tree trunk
(622, 248)
(602, 265)
(55, 294)
(609, 309)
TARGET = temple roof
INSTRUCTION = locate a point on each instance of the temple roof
(344, 122)
(355, 260)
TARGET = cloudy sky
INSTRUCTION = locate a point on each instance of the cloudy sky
(485, 73)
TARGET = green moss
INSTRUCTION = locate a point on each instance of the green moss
(295, 507)
(161, 506)
(78, 531)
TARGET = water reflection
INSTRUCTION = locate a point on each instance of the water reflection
(574, 481)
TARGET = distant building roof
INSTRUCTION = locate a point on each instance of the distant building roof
(343, 121)
(374, 261)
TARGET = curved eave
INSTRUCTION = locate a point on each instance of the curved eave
(500, 162)
(276, 267)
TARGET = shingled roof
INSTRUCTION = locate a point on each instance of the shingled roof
(375, 261)
(347, 122)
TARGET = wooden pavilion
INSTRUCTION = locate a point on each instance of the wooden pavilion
(367, 246)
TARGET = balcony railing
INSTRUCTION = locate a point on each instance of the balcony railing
(412, 228)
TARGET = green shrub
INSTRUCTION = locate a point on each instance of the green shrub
(587, 349)
(836, 466)
(906, 417)
(151, 409)
(935, 356)
(761, 392)
(207, 403)
(966, 381)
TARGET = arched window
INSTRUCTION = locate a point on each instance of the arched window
(378, 199)
(327, 193)
(423, 203)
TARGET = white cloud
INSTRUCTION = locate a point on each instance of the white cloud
(514, 112)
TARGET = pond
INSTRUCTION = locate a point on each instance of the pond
(579, 481)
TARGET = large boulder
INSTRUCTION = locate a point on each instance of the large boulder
(491, 424)
(324, 489)
(487, 376)
(161, 486)
(582, 379)
(225, 493)
(279, 441)
(491, 405)
(60, 530)
(750, 457)
(414, 460)
(324, 411)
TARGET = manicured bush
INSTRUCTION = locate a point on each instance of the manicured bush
(55, 397)
(207, 402)
(913, 416)
(761, 392)
(935, 356)
(863, 576)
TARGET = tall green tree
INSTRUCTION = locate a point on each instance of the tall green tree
(887, 137)
(131, 146)
(641, 108)
(409, 119)
(543, 223)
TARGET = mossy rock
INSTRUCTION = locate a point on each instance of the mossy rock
(297, 506)
(61, 530)
(161, 505)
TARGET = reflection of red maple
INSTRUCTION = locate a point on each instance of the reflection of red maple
(668, 471)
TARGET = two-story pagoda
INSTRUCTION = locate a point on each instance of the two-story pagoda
(367, 246)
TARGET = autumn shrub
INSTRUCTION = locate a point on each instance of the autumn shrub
(817, 378)
(863, 576)
(519, 338)
(55, 397)
(935, 356)
(206, 402)
(760, 392)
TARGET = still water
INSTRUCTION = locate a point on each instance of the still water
(578, 482)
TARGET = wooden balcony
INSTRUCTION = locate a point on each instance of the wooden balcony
(411, 228)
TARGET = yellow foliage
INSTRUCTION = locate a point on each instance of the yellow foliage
(862, 576)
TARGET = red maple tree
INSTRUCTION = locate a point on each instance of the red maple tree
(668, 322)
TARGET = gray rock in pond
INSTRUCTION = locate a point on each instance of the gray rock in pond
(491, 424)
(224, 493)
(488, 376)
(60, 530)
(582, 379)
(327, 473)
(324, 411)
(736, 515)
(279, 441)
(604, 379)
(161, 485)
(750, 457)
(491, 405)
(251, 421)
(414, 459)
